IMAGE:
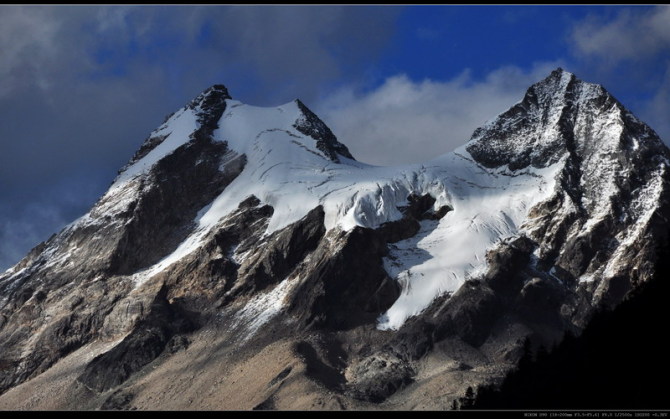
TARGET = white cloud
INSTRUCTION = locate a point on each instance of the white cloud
(657, 110)
(406, 121)
(631, 35)
(112, 19)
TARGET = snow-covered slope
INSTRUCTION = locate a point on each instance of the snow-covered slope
(489, 205)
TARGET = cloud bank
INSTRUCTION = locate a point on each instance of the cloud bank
(405, 121)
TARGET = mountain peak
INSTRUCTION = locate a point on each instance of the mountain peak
(554, 89)
(559, 72)
(560, 114)
(210, 104)
(210, 96)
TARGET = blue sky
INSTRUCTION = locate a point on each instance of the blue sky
(82, 86)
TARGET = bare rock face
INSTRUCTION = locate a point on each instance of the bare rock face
(161, 218)
(180, 289)
(282, 252)
(311, 125)
(345, 286)
(145, 342)
(203, 283)
(419, 208)
(210, 104)
(378, 376)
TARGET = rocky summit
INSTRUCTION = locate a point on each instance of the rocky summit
(243, 259)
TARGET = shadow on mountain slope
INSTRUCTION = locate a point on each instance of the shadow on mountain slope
(620, 361)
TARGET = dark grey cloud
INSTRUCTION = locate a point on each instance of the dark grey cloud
(84, 85)
(291, 51)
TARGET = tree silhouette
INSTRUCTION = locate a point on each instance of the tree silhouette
(468, 400)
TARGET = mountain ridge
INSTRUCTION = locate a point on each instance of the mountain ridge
(236, 221)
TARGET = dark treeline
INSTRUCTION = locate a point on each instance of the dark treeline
(620, 361)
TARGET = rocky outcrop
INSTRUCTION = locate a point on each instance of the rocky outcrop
(310, 125)
(176, 188)
(145, 342)
(280, 254)
(51, 324)
(378, 376)
(418, 208)
(345, 284)
(210, 105)
(202, 282)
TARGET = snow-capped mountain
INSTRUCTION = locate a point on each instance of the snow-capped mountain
(245, 251)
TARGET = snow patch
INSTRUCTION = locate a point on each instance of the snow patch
(263, 307)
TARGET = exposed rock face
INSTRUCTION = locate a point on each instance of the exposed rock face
(378, 376)
(209, 106)
(210, 275)
(169, 200)
(419, 208)
(281, 253)
(311, 125)
(270, 296)
(144, 343)
(344, 285)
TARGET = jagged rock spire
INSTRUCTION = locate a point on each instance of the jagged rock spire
(558, 115)
(326, 141)
(210, 105)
